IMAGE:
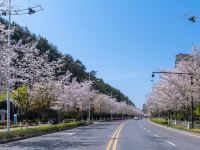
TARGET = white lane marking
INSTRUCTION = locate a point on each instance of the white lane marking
(70, 133)
(144, 128)
(148, 131)
(156, 135)
(171, 143)
(67, 133)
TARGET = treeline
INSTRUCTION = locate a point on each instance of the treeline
(41, 88)
(76, 67)
(176, 94)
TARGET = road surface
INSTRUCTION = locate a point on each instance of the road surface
(116, 135)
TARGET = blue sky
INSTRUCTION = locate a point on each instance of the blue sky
(123, 40)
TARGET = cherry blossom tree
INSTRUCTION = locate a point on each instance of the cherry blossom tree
(47, 86)
(100, 104)
(175, 93)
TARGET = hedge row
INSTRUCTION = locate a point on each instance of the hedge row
(39, 130)
(159, 121)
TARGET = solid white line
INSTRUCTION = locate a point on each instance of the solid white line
(171, 143)
(156, 135)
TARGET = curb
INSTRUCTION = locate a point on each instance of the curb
(176, 130)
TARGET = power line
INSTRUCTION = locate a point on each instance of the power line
(15, 10)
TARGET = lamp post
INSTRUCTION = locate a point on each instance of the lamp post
(111, 113)
(89, 112)
(112, 96)
(89, 109)
(9, 11)
(191, 83)
(8, 72)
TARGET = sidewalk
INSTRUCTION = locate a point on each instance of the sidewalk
(17, 128)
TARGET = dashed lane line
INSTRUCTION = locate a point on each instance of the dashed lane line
(68, 133)
(171, 143)
(156, 135)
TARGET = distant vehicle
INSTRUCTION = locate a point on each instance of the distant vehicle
(136, 118)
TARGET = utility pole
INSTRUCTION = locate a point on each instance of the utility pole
(192, 104)
(9, 11)
(89, 109)
(111, 113)
(8, 71)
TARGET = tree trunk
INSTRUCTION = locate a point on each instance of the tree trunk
(20, 119)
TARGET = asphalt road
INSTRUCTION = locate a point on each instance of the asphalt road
(142, 135)
(92, 137)
(116, 135)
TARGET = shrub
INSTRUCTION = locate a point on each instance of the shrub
(159, 121)
(195, 131)
(69, 120)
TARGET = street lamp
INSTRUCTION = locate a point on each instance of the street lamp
(4, 11)
(111, 113)
(191, 82)
(89, 109)
(112, 96)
